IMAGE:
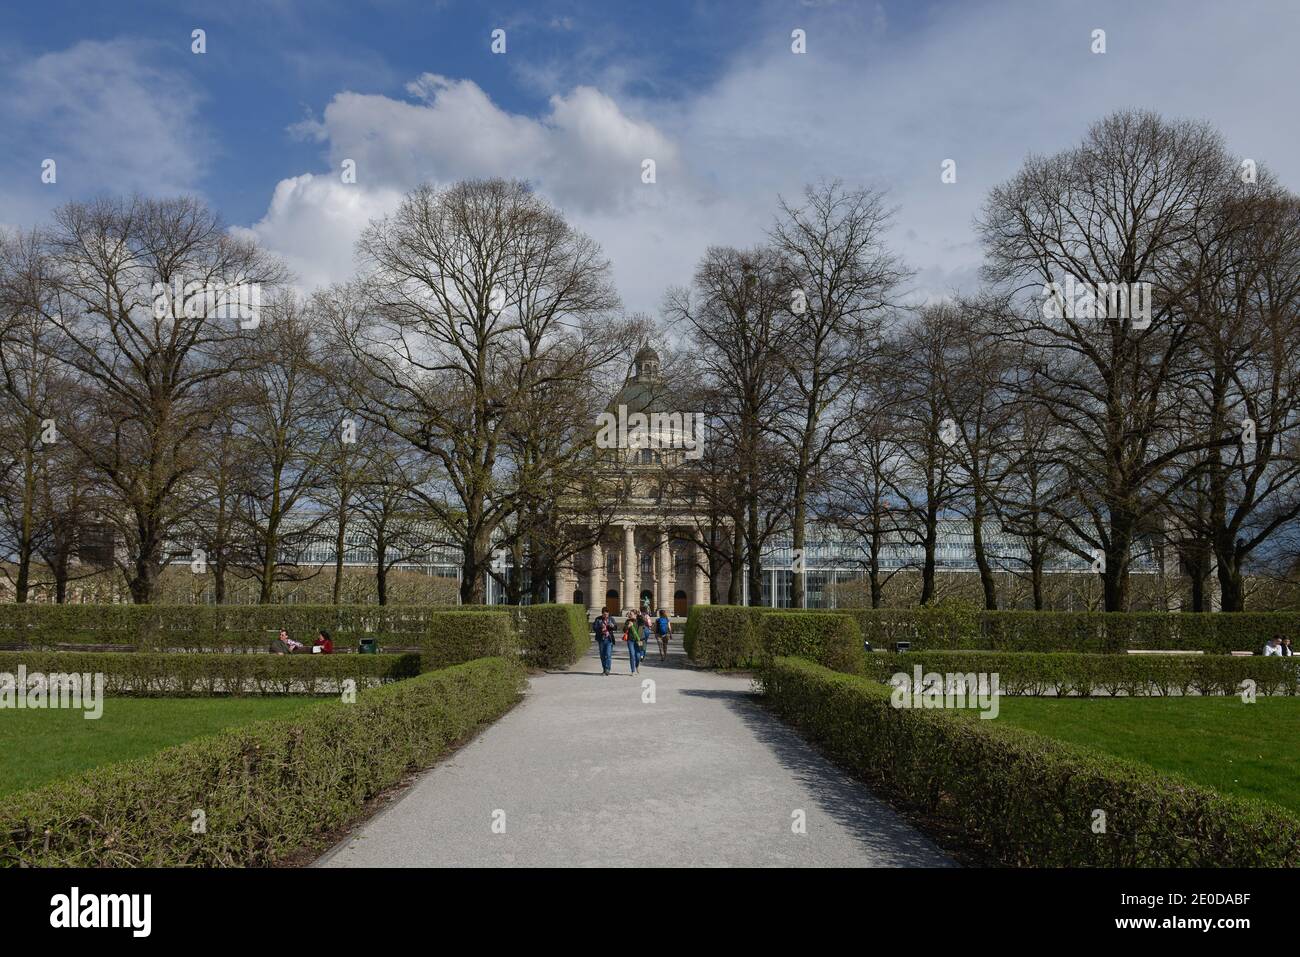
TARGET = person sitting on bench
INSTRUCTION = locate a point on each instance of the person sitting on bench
(284, 645)
(323, 645)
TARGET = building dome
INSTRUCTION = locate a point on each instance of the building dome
(646, 365)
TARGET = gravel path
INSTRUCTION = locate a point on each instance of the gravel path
(583, 772)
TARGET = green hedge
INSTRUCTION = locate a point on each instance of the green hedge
(144, 674)
(958, 628)
(266, 789)
(723, 636)
(1070, 673)
(206, 627)
(554, 635)
(452, 637)
(550, 635)
(830, 640)
(1027, 800)
(737, 636)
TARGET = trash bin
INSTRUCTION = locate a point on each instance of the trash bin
(369, 646)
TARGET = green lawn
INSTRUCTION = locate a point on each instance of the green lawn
(1250, 750)
(41, 746)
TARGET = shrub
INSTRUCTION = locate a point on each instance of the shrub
(184, 675)
(553, 636)
(947, 628)
(205, 627)
(723, 636)
(453, 637)
(265, 789)
(1068, 673)
(830, 640)
(1027, 800)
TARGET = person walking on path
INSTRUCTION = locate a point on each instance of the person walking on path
(631, 635)
(644, 627)
(604, 629)
(664, 631)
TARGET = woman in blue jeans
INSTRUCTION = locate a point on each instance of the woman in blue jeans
(631, 634)
(604, 627)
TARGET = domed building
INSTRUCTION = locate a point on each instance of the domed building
(649, 557)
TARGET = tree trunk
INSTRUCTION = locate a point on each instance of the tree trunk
(339, 544)
(754, 558)
(1232, 591)
(927, 569)
(736, 589)
(1036, 576)
(797, 597)
(1114, 576)
(22, 581)
(472, 569)
(981, 560)
(381, 565)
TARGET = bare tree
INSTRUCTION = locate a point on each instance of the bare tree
(147, 332)
(926, 480)
(842, 277)
(1242, 299)
(289, 426)
(476, 297)
(1119, 211)
(739, 323)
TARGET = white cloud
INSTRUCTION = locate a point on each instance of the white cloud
(313, 222)
(874, 106)
(111, 118)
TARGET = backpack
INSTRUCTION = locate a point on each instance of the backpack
(661, 625)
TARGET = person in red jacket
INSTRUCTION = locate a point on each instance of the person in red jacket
(324, 643)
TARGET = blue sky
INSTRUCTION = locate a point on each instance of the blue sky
(259, 124)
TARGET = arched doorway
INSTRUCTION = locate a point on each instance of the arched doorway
(611, 601)
(579, 598)
(679, 604)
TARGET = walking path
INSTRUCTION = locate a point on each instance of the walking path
(587, 773)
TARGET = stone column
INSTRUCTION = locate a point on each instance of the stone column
(700, 593)
(665, 573)
(596, 599)
(631, 590)
(566, 581)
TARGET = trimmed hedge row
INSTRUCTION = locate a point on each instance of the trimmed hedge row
(960, 628)
(730, 632)
(206, 627)
(453, 637)
(830, 640)
(722, 636)
(146, 674)
(265, 789)
(1069, 673)
(550, 635)
(1027, 800)
(735, 636)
